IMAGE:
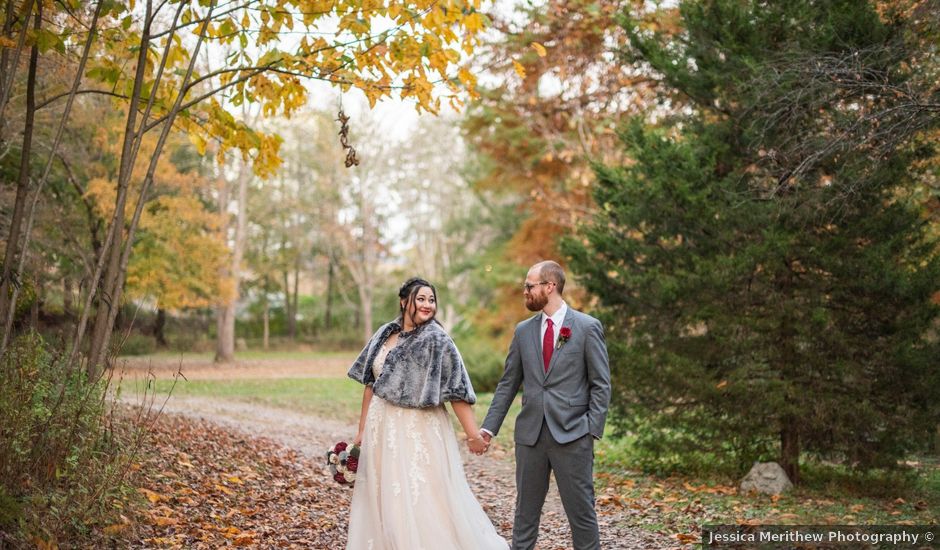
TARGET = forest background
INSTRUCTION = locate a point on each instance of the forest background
(745, 192)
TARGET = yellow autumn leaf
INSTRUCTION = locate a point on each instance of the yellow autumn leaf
(539, 49)
(115, 529)
(152, 496)
(520, 70)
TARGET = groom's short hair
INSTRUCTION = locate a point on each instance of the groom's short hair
(551, 271)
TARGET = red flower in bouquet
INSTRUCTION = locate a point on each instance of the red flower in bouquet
(563, 335)
(343, 462)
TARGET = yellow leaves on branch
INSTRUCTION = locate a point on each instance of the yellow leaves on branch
(413, 48)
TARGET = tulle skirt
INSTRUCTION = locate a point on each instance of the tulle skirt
(411, 491)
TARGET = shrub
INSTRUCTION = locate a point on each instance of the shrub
(137, 344)
(484, 363)
(63, 460)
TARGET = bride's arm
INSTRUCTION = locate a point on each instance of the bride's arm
(464, 413)
(366, 399)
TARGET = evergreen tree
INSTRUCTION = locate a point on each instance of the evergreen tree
(767, 298)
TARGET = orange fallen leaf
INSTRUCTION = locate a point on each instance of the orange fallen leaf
(152, 496)
(161, 521)
(115, 529)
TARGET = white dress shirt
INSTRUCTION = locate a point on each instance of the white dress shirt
(557, 319)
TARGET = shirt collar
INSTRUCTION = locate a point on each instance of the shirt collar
(559, 317)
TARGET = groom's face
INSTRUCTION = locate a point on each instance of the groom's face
(536, 293)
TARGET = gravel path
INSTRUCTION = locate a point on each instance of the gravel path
(310, 436)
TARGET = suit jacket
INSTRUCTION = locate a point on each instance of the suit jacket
(572, 397)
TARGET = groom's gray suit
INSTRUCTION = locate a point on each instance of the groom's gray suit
(563, 411)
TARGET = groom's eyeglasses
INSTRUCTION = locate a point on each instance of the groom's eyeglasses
(529, 286)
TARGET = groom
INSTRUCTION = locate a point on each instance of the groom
(559, 358)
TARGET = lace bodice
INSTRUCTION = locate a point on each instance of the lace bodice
(380, 359)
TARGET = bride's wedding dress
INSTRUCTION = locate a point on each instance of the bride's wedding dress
(411, 492)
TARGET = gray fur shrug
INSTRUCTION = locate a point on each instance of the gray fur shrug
(422, 370)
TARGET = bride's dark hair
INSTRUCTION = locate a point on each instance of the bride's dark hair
(407, 294)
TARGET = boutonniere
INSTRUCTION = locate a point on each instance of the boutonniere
(563, 336)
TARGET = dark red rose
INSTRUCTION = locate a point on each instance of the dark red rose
(352, 464)
(340, 447)
(339, 477)
(565, 333)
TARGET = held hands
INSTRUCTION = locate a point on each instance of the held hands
(478, 444)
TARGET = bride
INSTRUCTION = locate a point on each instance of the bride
(411, 492)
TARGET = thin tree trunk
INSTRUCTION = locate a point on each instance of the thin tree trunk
(224, 343)
(365, 304)
(9, 66)
(289, 314)
(296, 297)
(30, 217)
(266, 317)
(115, 281)
(328, 317)
(9, 276)
(159, 328)
(108, 288)
(225, 350)
(790, 449)
(67, 296)
(34, 308)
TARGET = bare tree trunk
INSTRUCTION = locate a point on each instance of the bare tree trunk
(328, 316)
(110, 285)
(34, 307)
(114, 280)
(365, 306)
(224, 343)
(10, 59)
(225, 349)
(159, 328)
(266, 317)
(9, 276)
(296, 297)
(790, 449)
(30, 216)
(67, 296)
(288, 304)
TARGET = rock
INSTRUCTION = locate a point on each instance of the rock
(241, 344)
(767, 478)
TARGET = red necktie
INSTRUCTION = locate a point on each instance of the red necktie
(548, 344)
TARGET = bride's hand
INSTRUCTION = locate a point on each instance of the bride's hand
(477, 444)
(358, 440)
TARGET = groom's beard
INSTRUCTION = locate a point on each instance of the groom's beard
(536, 303)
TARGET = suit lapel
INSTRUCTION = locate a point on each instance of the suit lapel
(567, 322)
(537, 338)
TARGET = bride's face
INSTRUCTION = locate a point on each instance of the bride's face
(423, 307)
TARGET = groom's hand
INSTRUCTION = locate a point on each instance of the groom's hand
(478, 445)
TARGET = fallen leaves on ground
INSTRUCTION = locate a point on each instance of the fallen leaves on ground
(207, 487)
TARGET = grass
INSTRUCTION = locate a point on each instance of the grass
(334, 398)
(670, 505)
(248, 355)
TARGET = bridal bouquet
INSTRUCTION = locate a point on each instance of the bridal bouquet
(343, 462)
